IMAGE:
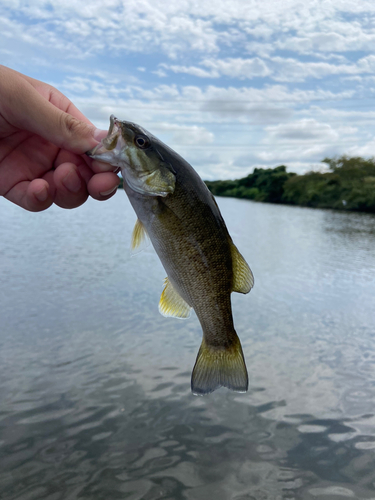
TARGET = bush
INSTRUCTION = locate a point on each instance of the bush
(261, 185)
(349, 185)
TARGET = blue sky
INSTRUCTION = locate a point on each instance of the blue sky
(230, 85)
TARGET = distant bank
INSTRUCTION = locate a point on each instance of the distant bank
(349, 185)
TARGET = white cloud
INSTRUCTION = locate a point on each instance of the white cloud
(276, 68)
(233, 67)
(284, 72)
(238, 67)
(366, 150)
(195, 104)
(160, 73)
(178, 27)
(307, 129)
(191, 70)
(292, 70)
(367, 64)
(334, 38)
(307, 140)
(182, 135)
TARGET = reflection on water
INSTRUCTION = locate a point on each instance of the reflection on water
(95, 398)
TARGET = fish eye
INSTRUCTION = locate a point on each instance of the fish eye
(142, 141)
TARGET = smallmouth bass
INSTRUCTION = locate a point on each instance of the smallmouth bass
(180, 216)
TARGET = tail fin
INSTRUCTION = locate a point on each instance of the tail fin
(216, 367)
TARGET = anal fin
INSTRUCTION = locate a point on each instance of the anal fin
(243, 279)
(172, 304)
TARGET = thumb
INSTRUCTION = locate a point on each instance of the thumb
(60, 128)
(27, 109)
(68, 132)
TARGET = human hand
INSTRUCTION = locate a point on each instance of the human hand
(43, 138)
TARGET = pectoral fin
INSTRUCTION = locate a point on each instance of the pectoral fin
(243, 279)
(139, 237)
(172, 304)
(158, 182)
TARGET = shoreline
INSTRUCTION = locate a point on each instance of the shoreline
(349, 185)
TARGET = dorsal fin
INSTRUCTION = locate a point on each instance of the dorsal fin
(139, 237)
(243, 279)
(172, 304)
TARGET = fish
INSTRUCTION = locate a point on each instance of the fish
(180, 216)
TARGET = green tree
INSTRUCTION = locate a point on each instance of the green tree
(348, 185)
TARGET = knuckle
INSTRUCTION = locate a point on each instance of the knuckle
(73, 131)
(71, 125)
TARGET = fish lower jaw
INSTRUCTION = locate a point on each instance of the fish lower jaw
(115, 157)
(113, 149)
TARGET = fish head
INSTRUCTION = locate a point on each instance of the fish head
(136, 152)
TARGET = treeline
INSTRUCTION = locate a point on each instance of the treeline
(349, 185)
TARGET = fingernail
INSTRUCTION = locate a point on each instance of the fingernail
(104, 167)
(107, 193)
(42, 194)
(72, 182)
(99, 134)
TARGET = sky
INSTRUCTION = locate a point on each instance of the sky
(231, 85)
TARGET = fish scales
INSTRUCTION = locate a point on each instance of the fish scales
(203, 266)
(197, 260)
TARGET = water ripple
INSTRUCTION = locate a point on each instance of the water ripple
(95, 398)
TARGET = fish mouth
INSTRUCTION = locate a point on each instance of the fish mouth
(110, 149)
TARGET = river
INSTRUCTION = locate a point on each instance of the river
(95, 398)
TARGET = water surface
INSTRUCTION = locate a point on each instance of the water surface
(95, 398)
